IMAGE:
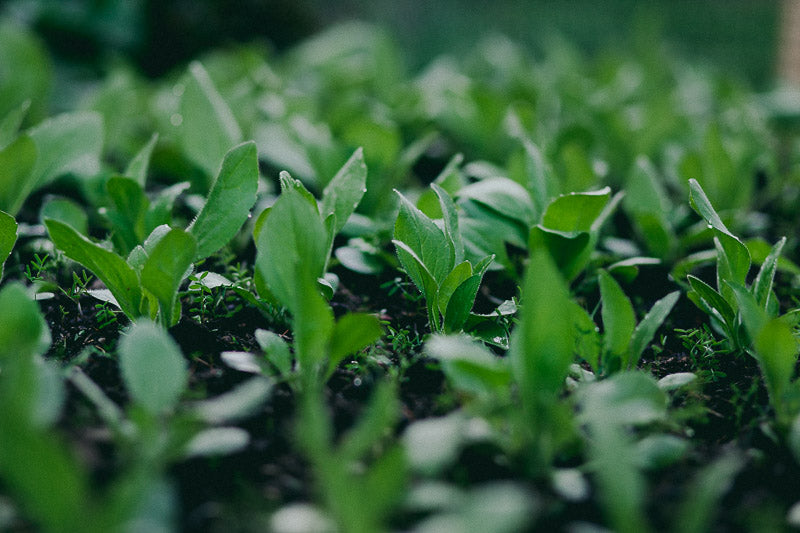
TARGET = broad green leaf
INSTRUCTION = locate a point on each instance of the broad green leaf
(71, 142)
(647, 202)
(160, 211)
(26, 72)
(448, 286)
(644, 332)
(713, 299)
(576, 211)
(165, 268)
(619, 321)
(460, 304)
(152, 367)
(119, 277)
(67, 211)
(762, 286)
(137, 168)
(352, 333)
(229, 201)
(571, 251)
(450, 218)
(504, 196)
(16, 173)
(541, 182)
(344, 192)
(208, 129)
(127, 215)
(8, 236)
(425, 239)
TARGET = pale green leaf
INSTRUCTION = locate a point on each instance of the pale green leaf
(71, 142)
(8, 236)
(425, 239)
(138, 166)
(16, 173)
(344, 192)
(619, 320)
(352, 333)
(152, 367)
(644, 332)
(576, 211)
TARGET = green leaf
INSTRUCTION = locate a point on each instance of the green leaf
(127, 215)
(576, 211)
(165, 268)
(276, 351)
(713, 299)
(351, 334)
(120, 278)
(67, 211)
(777, 351)
(648, 204)
(587, 336)
(292, 249)
(422, 278)
(23, 331)
(762, 286)
(16, 173)
(71, 142)
(152, 367)
(503, 196)
(541, 345)
(450, 217)
(8, 236)
(448, 286)
(10, 123)
(619, 321)
(344, 192)
(571, 251)
(698, 509)
(644, 332)
(209, 128)
(137, 168)
(468, 365)
(425, 239)
(229, 201)
(460, 304)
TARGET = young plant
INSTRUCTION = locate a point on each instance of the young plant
(733, 265)
(570, 227)
(294, 239)
(534, 372)
(146, 283)
(433, 258)
(624, 340)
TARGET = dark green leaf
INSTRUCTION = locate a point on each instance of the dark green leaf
(164, 269)
(8, 236)
(344, 192)
(16, 173)
(619, 321)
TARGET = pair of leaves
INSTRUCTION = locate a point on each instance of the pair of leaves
(159, 265)
(433, 258)
(570, 227)
(623, 339)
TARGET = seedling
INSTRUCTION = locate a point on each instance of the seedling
(147, 282)
(434, 260)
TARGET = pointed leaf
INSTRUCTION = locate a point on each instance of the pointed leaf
(619, 320)
(165, 268)
(344, 192)
(576, 211)
(762, 286)
(713, 299)
(425, 239)
(137, 168)
(351, 334)
(120, 278)
(67, 143)
(229, 201)
(644, 332)
(450, 217)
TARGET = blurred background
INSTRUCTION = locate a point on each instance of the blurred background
(158, 36)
